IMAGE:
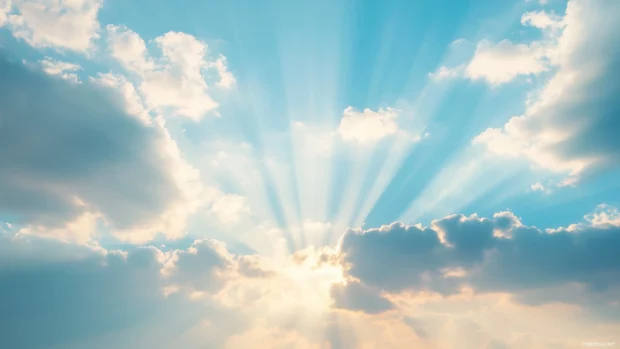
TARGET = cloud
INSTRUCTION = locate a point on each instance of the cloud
(537, 187)
(128, 48)
(206, 267)
(604, 216)
(73, 296)
(201, 268)
(230, 208)
(65, 70)
(499, 63)
(82, 228)
(176, 82)
(497, 254)
(368, 125)
(227, 79)
(275, 338)
(458, 42)
(5, 8)
(202, 297)
(571, 126)
(504, 61)
(446, 73)
(72, 153)
(542, 20)
(356, 296)
(67, 25)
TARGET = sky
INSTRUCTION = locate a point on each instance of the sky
(336, 174)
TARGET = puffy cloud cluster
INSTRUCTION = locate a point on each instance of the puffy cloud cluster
(368, 125)
(177, 81)
(504, 61)
(206, 266)
(72, 296)
(571, 125)
(61, 24)
(74, 159)
(499, 63)
(497, 254)
(204, 296)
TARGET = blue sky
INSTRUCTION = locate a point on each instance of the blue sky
(309, 174)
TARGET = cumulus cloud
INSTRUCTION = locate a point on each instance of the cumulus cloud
(571, 126)
(72, 153)
(97, 298)
(199, 297)
(201, 268)
(604, 216)
(129, 49)
(206, 297)
(176, 82)
(59, 24)
(502, 62)
(497, 254)
(368, 125)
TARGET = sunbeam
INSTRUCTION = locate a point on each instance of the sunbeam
(309, 174)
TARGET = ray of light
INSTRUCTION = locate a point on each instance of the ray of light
(417, 167)
(310, 70)
(458, 184)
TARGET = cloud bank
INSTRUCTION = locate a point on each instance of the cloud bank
(72, 154)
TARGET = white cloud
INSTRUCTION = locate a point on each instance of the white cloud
(205, 296)
(230, 208)
(368, 125)
(128, 48)
(133, 102)
(542, 20)
(104, 288)
(274, 337)
(502, 62)
(540, 2)
(513, 142)
(498, 254)
(92, 159)
(445, 72)
(499, 63)
(5, 7)
(65, 70)
(176, 82)
(570, 127)
(83, 229)
(604, 216)
(227, 79)
(458, 42)
(537, 187)
(59, 24)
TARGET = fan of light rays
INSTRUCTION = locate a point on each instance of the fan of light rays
(305, 184)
